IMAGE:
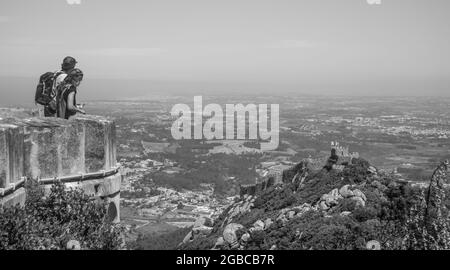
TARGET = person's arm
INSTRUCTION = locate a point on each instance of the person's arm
(70, 103)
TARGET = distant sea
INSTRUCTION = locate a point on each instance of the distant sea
(19, 91)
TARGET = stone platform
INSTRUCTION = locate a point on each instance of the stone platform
(79, 150)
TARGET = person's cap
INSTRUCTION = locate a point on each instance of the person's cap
(68, 62)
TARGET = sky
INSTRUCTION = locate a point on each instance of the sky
(397, 47)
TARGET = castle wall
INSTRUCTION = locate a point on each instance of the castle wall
(343, 153)
(47, 148)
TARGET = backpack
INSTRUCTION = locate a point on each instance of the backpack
(45, 93)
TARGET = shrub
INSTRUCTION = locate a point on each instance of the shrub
(168, 241)
(201, 243)
(49, 222)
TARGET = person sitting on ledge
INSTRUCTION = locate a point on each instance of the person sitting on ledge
(66, 102)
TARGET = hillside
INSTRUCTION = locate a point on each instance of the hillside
(351, 206)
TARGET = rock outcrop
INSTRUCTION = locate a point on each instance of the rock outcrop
(297, 174)
(202, 227)
(290, 213)
(327, 201)
(230, 234)
(435, 196)
(317, 209)
(239, 208)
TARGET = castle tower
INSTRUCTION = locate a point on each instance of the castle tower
(343, 152)
(80, 152)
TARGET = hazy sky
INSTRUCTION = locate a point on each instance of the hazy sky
(315, 45)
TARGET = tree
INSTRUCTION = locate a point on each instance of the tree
(50, 222)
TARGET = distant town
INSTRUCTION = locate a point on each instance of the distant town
(168, 184)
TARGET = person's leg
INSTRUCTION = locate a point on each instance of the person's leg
(40, 111)
(48, 112)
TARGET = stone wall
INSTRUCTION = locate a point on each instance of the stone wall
(343, 152)
(45, 148)
(256, 189)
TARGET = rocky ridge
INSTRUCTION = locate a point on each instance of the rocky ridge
(358, 196)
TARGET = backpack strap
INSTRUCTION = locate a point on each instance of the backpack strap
(56, 74)
(61, 103)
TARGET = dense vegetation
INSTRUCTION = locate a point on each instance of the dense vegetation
(394, 215)
(168, 241)
(52, 221)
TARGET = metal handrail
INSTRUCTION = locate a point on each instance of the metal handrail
(61, 179)
(12, 187)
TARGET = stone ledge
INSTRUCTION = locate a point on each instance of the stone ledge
(36, 148)
(50, 147)
(18, 197)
